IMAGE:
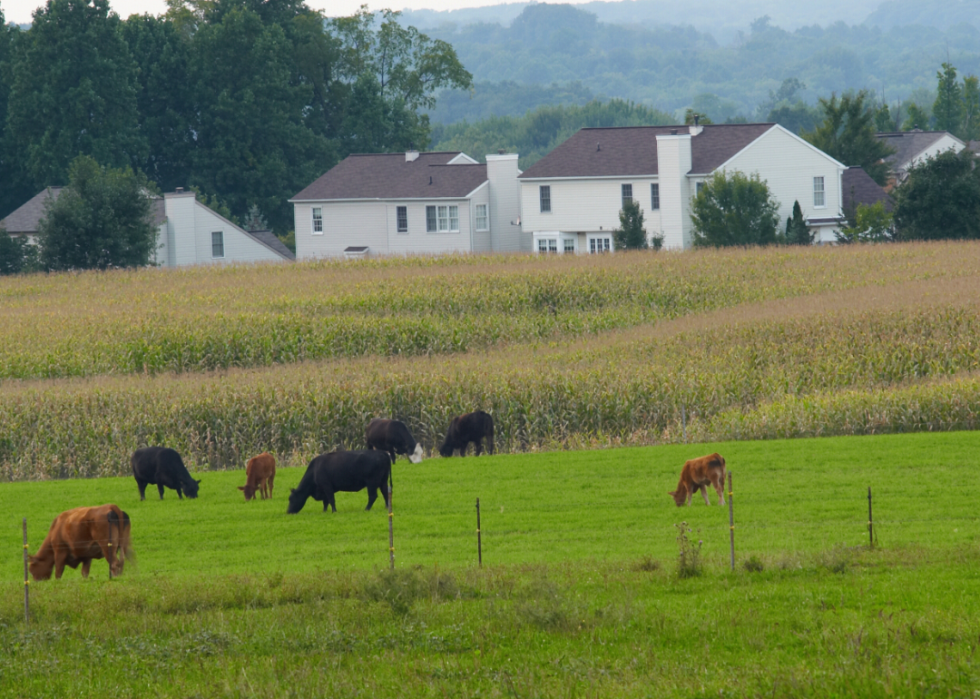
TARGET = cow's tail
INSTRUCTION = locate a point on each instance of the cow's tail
(119, 536)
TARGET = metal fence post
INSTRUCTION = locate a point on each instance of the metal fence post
(479, 535)
(871, 531)
(391, 532)
(27, 582)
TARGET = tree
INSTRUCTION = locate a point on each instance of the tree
(73, 92)
(870, 223)
(631, 235)
(734, 210)
(948, 108)
(102, 219)
(915, 118)
(254, 221)
(797, 232)
(940, 199)
(689, 117)
(13, 254)
(848, 134)
(970, 129)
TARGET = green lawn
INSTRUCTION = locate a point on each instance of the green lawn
(238, 599)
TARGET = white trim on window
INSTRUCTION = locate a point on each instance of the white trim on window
(401, 219)
(217, 244)
(599, 242)
(626, 191)
(482, 217)
(655, 196)
(544, 197)
(442, 219)
(317, 226)
(819, 193)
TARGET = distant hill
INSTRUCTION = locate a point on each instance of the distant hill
(928, 13)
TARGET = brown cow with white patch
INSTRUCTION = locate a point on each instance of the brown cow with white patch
(260, 473)
(696, 475)
(80, 535)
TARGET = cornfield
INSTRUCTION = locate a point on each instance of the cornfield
(566, 353)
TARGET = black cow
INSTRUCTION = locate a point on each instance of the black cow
(163, 467)
(342, 471)
(463, 429)
(393, 437)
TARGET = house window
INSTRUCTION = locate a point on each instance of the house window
(482, 221)
(217, 244)
(654, 197)
(402, 214)
(818, 192)
(317, 221)
(599, 244)
(442, 219)
(627, 194)
(698, 188)
(545, 193)
(547, 245)
(568, 245)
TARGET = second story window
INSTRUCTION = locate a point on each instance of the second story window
(218, 244)
(544, 192)
(317, 220)
(627, 194)
(482, 220)
(654, 197)
(402, 212)
(818, 193)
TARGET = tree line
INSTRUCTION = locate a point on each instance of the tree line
(246, 100)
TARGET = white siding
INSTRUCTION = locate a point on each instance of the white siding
(673, 164)
(788, 165)
(481, 239)
(375, 224)
(505, 205)
(586, 205)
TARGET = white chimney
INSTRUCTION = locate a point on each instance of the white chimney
(673, 164)
(411, 156)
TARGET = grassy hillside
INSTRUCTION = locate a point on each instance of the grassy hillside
(569, 353)
(580, 594)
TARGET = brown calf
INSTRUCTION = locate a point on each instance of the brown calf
(259, 476)
(696, 475)
(80, 535)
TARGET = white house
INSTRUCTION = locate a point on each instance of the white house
(189, 233)
(913, 147)
(572, 197)
(411, 203)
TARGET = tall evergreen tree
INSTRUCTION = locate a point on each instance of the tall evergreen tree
(734, 210)
(73, 92)
(948, 108)
(915, 118)
(848, 134)
(970, 130)
(631, 235)
(797, 232)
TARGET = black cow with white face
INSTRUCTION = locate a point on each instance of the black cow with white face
(342, 471)
(393, 437)
(472, 427)
(162, 467)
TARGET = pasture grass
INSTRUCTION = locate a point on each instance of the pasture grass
(580, 595)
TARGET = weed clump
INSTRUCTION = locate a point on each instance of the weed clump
(837, 560)
(647, 564)
(403, 587)
(689, 563)
(753, 564)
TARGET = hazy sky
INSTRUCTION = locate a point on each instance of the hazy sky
(20, 10)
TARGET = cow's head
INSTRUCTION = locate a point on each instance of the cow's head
(191, 487)
(416, 456)
(249, 491)
(296, 502)
(679, 495)
(40, 567)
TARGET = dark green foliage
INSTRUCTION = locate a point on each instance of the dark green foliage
(848, 134)
(867, 224)
(797, 232)
(73, 92)
(101, 220)
(734, 210)
(631, 235)
(12, 254)
(940, 199)
(915, 118)
(507, 98)
(970, 129)
(536, 133)
(948, 108)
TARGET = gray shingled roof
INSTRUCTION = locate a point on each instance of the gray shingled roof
(859, 188)
(26, 218)
(272, 241)
(390, 176)
(632, 150)
(907, 144)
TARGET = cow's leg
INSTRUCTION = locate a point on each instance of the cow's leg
(479, 446)
(704, 493)
(60, 558)
(86, 564)
(393, 455)
(271, 479)
(719, 484)
(462, 449)
(160, 488)
(142, 486)
(372, 496)
(180, 495)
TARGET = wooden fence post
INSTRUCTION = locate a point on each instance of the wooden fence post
(731, 517)
(391, 532)
(871, 531)
(27, 582)
(479, 536)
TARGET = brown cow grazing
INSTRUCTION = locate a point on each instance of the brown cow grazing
(260, 472)
(79, 535)
(696, 475)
